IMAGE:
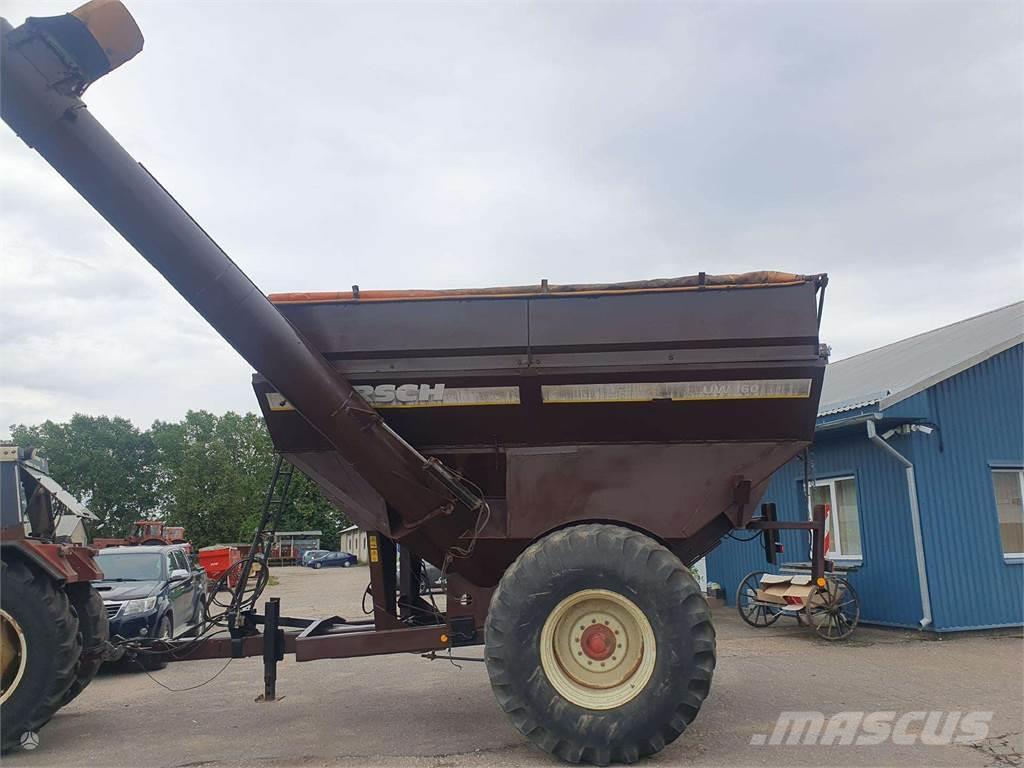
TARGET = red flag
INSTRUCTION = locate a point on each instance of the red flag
(828, 536)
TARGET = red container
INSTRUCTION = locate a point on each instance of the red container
(216, 559)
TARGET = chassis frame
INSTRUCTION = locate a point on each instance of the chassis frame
(401, 620)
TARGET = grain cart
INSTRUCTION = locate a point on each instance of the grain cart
(561, 453)
(53, 628)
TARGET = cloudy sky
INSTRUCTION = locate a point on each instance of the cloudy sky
(461, 144)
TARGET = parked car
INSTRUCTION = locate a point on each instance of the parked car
(334, 560)
(312, 554)
(151, 591)
(432, 578)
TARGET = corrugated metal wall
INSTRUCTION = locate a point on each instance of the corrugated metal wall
(980, 414)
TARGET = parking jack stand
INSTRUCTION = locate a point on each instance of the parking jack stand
(273, 648)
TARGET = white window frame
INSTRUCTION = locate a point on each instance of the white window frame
(837, 550)
(1015, 556)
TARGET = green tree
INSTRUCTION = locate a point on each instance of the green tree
(107, 462)
(213, 472)
(206, 472)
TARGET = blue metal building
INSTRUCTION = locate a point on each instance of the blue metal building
(919, 456)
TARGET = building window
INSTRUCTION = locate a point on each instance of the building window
(839, 495)
(180, 561)
(1009, 488)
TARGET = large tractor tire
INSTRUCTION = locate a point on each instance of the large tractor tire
(39, 650)
(599, 645)
(93, 631)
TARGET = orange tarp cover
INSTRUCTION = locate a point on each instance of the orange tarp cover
(691, 282)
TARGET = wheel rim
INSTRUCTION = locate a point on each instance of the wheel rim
(13, 655)
(835, 613)
(597, 649)
(751, 611)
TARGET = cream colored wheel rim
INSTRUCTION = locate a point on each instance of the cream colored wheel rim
(13, 655)
(597, 649)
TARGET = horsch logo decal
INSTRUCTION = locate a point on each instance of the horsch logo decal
(401, 394)
(419, 396)
(435, 395)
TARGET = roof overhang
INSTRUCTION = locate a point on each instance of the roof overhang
(852, 405)
(953, 370)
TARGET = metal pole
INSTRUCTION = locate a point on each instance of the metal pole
(273, 647)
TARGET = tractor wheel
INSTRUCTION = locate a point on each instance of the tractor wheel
(599, 645)
(39, 651)
(94, 631)
(154, 543)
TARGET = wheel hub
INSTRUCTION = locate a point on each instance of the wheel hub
(597, 649)
(13, 655)
(598, 642)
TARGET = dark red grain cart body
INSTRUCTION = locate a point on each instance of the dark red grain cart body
(664, 405)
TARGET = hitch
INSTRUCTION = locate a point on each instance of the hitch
(108, 651)
(273, 648)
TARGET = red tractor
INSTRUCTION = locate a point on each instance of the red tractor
(145, 532)
(53, 625)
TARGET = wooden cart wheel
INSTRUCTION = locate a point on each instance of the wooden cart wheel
(835, 610)
(754, 613)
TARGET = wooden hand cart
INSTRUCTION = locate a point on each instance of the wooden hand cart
(832, 610)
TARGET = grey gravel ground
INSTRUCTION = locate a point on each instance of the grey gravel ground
(406, 711)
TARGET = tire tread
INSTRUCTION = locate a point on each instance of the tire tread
(633, 546)
(38, 588)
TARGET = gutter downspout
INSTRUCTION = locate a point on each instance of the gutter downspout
(915, 518)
